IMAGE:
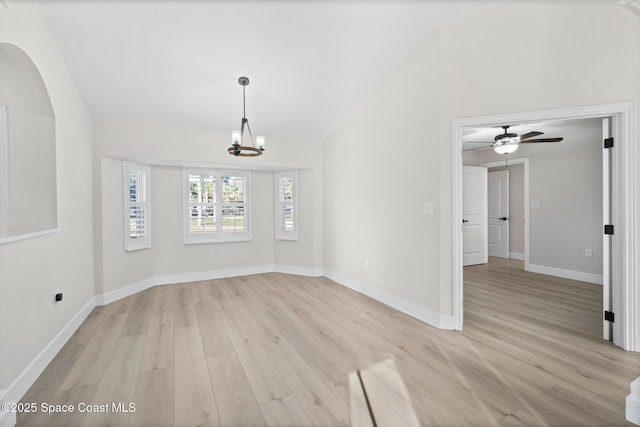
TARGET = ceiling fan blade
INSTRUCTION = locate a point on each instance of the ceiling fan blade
(479, 148)
(530, 135)
(478, 142)
(542, 140)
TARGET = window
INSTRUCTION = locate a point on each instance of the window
(137, 231)
(216, 206)
(286, 206)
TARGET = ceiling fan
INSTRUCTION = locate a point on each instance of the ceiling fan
(508, 142)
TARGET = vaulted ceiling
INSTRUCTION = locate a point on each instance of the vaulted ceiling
(177, 62)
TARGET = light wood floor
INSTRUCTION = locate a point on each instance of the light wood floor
(276, 349)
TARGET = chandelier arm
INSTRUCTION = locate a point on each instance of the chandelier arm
(250, 134)
(242, 123)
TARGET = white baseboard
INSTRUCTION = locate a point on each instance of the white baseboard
(632, 408)
(125, 291)
(7, 419)
(170, 279)
(566, 274)
(31, 373)
(421, 313)
(212, 274)
(300, 271)
(516, 255)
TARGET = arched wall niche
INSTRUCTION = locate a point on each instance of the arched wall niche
(28, 197)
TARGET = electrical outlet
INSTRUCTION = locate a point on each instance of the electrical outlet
(212, 252)
(428, 208)
(588, 253)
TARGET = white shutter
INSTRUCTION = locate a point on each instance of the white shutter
(233, 198)
(216, 206)
(137, 224)
(201, 220)
(286, 206)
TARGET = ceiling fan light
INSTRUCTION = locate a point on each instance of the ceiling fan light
(506, 148)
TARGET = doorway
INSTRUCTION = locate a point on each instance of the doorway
(516, 213)
(623, 177)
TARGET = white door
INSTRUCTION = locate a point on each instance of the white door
(498, 213)
(607, 300)
(474, 215)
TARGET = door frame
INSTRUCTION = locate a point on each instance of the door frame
(626, 299)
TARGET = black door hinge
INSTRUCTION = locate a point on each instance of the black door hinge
(609, 316)
(608, 142)
(608, 229)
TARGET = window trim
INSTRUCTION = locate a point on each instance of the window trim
(5, 236)
(280, 233)
(4, 172)
(130, 244)
(219, 236)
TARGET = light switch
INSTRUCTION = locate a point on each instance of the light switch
(535, 205)
(428, 208)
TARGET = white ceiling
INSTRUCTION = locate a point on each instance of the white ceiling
(177, 62)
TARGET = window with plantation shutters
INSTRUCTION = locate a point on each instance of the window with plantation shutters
(137, 231)
(286, 206)
(216, 206)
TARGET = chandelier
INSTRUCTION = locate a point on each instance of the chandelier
(237, 136)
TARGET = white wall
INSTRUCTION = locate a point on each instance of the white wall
(168, 149)
(564, 54)
(570, 218)
(287, 253)
(33, 270)
(565, 179)
(380, 167)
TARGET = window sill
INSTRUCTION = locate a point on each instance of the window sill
(210, 241)
(24, 236)
(136, 248)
